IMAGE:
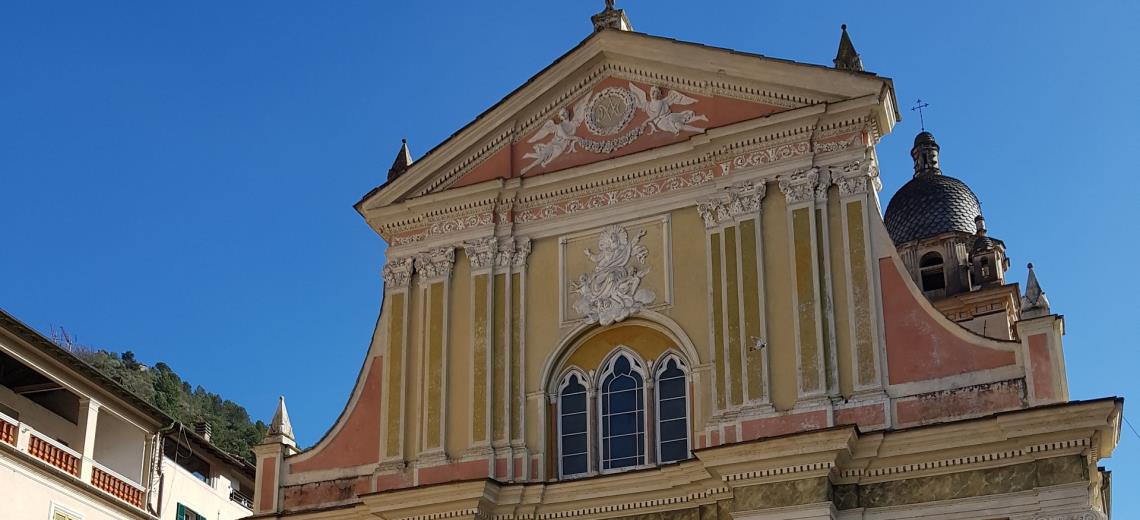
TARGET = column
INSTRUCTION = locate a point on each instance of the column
(736, 279)
(433, 270)
(853, 180)
(397, 279)
(799, 191)
(88, 421)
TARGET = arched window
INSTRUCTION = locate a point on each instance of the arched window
(622, 407)
(573, 427)
(672, 412)
(930, 268)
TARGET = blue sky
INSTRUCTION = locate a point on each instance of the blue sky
(177, 179)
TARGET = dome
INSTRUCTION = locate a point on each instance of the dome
(929, 205)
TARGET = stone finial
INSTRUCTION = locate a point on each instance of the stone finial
(846, 58)
(1034, 304)
(402, 163)
(280, 429)
(611, 18)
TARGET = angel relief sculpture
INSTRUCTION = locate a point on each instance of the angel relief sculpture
(606, 113)
(564, 138)
(612, 292)
(659, 109)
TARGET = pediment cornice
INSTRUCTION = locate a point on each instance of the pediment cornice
(669, 64)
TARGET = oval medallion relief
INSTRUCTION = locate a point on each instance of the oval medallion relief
(610, 110)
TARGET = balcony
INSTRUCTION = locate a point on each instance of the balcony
(27, 440)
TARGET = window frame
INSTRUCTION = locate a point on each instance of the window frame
(638, 366)
(586, 382)
(662, 365)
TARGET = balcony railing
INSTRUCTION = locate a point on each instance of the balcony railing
(54, 453)
(117, 485)
(241, 499)
(29, 441)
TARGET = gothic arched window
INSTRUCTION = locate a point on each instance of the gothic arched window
(672, 412)
(573, 427)
(622, 414)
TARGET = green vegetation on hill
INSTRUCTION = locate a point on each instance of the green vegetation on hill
(232, 429)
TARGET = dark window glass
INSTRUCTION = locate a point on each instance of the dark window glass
(623, 416)
(672, 413)
(574, 442)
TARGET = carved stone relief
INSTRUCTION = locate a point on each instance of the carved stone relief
(435, 263)
(397, 273)
(800, 186)
(612, 291)
(607, 113)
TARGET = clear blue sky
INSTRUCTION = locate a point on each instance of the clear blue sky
(177, 179)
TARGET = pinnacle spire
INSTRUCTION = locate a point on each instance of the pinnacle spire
(846, 58)
(611, 18)
(403, 161)
(280, 425)
(1034, 304)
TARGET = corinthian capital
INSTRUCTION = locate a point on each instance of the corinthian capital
(744, 198)
(853, 177)
(397, 273)
(512, 252)
(481, 251)
(799, 186)
(435, 263)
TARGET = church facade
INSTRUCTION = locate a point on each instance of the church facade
(654, 282)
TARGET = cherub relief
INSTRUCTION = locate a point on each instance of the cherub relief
(564, 138)
(658, 108)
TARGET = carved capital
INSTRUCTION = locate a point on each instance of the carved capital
(800, 186)
(852, 177)
(744, 198)
(1080, 515)
(713, 212)
(435, 263)
(823, 183)
(397, 273)
(481, 251)
(512, 252)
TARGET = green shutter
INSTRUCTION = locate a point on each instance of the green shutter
(181, 515)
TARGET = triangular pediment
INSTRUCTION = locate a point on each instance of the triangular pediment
(618, 93)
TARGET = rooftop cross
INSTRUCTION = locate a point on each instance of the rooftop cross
(919, 105)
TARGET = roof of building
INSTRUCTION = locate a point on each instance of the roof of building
(929, 205)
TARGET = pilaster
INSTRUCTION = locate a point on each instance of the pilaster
(799, 190)
(397, 281)
(736, 280)
(855, 180)
(88, 423)
(433, 270)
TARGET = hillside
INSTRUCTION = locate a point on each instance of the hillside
(233, 431)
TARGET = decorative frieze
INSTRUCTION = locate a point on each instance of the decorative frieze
(800, 186)
(397, 273)
(435, 263)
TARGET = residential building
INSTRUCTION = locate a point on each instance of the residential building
(75, 445)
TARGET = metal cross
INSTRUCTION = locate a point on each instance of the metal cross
(919, 105)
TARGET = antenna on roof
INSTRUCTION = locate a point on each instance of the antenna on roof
(918, 106)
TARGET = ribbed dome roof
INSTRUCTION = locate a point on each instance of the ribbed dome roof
(930, 205)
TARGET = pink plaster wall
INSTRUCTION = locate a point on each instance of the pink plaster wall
(920, 347)
(783, 425)
(1042, 362)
